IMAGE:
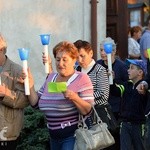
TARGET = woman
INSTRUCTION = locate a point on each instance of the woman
(98, 76)
(96, 72)
(121, 75)
(62, 109)
(133, 45)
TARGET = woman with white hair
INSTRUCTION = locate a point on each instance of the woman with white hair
(121, 75)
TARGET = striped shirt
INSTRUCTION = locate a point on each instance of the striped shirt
(61, 113)
(99, 78)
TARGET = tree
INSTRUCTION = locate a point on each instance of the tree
(35, 135)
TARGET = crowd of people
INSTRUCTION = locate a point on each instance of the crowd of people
(126, 102)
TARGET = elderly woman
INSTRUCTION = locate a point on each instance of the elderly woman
(62, 109)
(121, 75)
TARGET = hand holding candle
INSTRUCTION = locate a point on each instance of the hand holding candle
(45, 38)
(108, 50)
(23, 53)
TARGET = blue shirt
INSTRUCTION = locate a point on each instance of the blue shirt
(144, 44)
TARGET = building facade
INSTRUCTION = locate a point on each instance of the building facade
(22, 21)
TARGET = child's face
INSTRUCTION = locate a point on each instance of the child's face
(133, 72)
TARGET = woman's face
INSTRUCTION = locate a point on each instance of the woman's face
(84, 58)
(138, 35)
(64, 63)
(104, 55)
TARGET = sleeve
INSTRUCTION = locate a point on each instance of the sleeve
(147, 78)
(101, 92)
(146, 43)
(130, 46)
(121, 75)
(86, 89)
(117, 90)
(15, 94)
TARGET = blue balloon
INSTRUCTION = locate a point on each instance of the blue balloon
(23, 53)
(108, 48)
(45, 38)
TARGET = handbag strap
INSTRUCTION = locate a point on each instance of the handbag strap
(98, 119)
(82, 124)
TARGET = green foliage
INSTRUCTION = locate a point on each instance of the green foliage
(35, 135)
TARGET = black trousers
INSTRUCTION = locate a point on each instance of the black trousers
(8, 145)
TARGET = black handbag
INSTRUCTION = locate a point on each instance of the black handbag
(107, 116)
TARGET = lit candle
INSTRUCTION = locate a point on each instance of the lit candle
(108, 50)
(45, 38)
(23, 53)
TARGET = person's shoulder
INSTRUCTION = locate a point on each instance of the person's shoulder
(121, 62)
(100, 61)
(82, 79)
(14, 68)
(99, 66)
(14, 65)
(51, 75)
(145, 34)
(130, 39)
(81, 75)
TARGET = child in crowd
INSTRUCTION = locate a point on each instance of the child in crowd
(132, 106)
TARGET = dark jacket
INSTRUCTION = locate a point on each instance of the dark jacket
(147, 111)
(133, 104)
(121, 75)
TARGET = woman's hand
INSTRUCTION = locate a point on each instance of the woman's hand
(24, 75)
(70, 95)
(82, 106)
(109, 73)
(49, 61)
(45, 60)
(33, 97)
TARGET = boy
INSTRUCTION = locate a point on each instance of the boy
(132, 106)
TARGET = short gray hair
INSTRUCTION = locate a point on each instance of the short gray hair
(108, 40)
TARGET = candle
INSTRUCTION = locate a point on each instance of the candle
(45, 38)
(23, 53)
(108, 50)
